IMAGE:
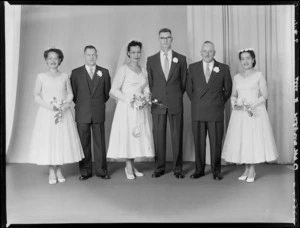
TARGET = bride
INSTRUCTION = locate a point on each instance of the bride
(131, 131)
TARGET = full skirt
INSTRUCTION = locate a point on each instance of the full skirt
(55, 144)
(122, 142)
(249, 140)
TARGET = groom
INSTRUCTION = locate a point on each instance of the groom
(91, 84)
(167, 72)
(209, 87)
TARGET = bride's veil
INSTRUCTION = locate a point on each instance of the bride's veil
(124, 59)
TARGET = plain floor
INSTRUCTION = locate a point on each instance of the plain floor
(31, 200)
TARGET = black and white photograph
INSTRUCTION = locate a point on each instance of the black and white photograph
(150, 113)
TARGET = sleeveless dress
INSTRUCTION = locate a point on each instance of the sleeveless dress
(54, 143)
(122, 142)
(249, 139)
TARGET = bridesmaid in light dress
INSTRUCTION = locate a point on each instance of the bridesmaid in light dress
(249, 138)
(55, 139)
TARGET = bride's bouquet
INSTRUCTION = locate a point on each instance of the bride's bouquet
(139, 101)
(57, 106)
(244, 106)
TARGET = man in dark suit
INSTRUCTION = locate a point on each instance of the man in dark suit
(209, 86)
(91, 85)
(167, 72)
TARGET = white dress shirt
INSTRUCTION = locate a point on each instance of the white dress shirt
(211, 65)
(88, 68)
(162, 58)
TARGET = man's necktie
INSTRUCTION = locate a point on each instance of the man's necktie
(207, 73)
(166, 66)
(91, 73)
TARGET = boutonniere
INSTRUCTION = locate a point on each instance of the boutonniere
(99, 73)
(175, 60)
(216, 69)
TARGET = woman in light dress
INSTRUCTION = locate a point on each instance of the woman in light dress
(131, 132)
(249, 138)
(55, 139)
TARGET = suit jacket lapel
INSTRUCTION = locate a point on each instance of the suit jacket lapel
(202, 78)
(84, 78)
(212, 75)
(96, 79)
(173, 65)
(159, 66)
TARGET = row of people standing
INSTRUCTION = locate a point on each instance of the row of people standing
(146, 98)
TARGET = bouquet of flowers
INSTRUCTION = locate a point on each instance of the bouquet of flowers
(57, 106)
(156, 102)
(139, 101)
(244, 106)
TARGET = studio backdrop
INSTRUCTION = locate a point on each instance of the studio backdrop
(29, 30)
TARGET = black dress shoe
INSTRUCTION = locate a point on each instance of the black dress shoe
(179, 175)
(196, 175)
(155, 175)
(106, 176)
(82, 178)
(217, 176)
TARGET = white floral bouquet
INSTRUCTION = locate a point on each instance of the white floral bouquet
(244, 106)
(57, 107)
(139, 101)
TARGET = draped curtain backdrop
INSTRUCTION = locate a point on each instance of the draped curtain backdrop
(270, 31)
(267, 29)
(12, 42)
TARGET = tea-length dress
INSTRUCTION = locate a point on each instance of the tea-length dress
(250, 139)
(54, 143)
(122, 142)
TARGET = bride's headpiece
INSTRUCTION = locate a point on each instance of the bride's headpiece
(52, 47)
(246, 49)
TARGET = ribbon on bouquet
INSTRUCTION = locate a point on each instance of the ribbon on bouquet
(137, 130)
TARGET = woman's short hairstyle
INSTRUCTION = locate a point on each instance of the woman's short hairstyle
(57, 51)
(133, 44)
(252, 54)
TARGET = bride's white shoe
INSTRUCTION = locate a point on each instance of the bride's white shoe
(137, 173)
(129, 176)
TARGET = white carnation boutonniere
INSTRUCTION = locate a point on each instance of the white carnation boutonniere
(175, 60)
(216, 69)
(99, 73)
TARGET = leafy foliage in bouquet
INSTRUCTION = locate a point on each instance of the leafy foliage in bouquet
(57, 106)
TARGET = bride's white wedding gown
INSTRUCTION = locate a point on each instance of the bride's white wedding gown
(122, 142)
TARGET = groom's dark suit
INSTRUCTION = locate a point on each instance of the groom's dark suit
(169, 92)
(208, 102)
(89, 98)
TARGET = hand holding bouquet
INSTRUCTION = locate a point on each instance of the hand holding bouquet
(244, 106)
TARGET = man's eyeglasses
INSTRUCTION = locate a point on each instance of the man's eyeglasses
(165, 38)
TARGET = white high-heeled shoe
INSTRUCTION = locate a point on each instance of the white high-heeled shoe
(61, 180)
(251, 179)
(129, 176)
(137, 173)
(60, 177)
(51, 180)
(244, 177)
